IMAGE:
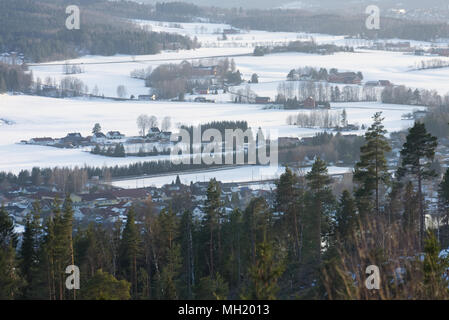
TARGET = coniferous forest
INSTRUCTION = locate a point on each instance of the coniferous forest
(37, 30)
(311, 244)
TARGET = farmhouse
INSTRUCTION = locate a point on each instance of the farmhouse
(309, 103)
(345, 77)
(42, 141)
(263, 100)
(98, 137)
(114, 135)
(204, 71)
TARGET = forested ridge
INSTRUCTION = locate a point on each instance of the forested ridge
(37, 29)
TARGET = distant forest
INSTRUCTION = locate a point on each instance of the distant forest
(302, 21)
(292, 20)
(37, 29)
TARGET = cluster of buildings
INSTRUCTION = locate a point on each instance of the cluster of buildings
(75, 139)
(109, 205)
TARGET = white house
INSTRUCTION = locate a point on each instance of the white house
(98, 137)
(115, 135)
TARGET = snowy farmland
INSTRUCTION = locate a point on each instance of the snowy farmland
(28, 116)
(107, 73)
(32, 116)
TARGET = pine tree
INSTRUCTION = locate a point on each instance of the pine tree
(10, 281)
(288, 198)
(372, 171)
(130, 250)
(435, 270)
(212, 288)
(104, 286)
(346, 217)
(29, 251)
(320, 202)
(417, 154)
(410, 216)
(443, 197)
(96, 128)
(264, 274)
(188, 253)
(211, 222)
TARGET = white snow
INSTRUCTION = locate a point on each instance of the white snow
(48, 117)
(240, 174)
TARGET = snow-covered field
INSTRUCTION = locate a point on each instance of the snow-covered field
(241, 174)
(107, 73)
(271, 69)
(40, 117)
(47, 117)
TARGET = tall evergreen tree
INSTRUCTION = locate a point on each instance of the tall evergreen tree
(372, 171)
(10, 281)
(443, 197)
(130, 250)
(29, 251)
(264, 274)
(188, 252)
(212, 223)
(435, 270)
(320, 197)
(288, 200)
(417, 154)
(346, 217)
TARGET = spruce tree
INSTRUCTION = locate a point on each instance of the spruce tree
(443, 197)
(435, 270)
(104, 286)
(417, 154)
(372, 171)
(130, 250)
(264, 274)
(29, 251)
(211, 223)
(320, 202)
(10, 281)
(346, 217)
(288, 200)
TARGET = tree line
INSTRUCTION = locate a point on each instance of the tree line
(37, 29)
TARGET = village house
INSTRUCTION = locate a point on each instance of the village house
(201, 90)
(45, 141)
(114, 135)
(98, 137)
(263, 100)
(345, 77)
(73, 139)
(204, 71)
(309, 103)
